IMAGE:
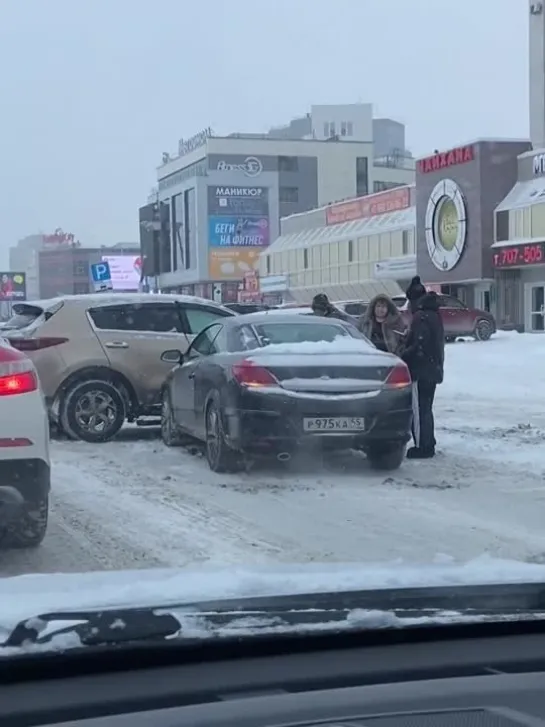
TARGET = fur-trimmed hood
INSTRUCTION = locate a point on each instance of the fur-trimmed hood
(393, 317)
(393, 327)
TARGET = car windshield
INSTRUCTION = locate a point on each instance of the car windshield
(272, 295)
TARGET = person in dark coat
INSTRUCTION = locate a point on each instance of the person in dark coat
(382, 324)
(321, 306)
(424, 354)
(414, 292)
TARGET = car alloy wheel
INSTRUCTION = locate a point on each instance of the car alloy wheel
(169, 435)
(483, 330)
(212, 436)
(93, 411)
(220, 457)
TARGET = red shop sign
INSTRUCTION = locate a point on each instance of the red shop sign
(392, 200)
(460, 155)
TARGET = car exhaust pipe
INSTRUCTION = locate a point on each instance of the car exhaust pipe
(283, 457)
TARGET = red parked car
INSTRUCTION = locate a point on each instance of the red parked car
(458, 319)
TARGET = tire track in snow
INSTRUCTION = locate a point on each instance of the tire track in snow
(132, 504)
(197, 527)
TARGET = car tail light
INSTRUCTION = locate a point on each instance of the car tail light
(399, 377)
(248, 373)
(36, 344)
(17, 374)
(7, 443)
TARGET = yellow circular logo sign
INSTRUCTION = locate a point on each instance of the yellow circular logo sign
(445, 225)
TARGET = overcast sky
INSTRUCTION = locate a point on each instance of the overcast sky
(92, 91)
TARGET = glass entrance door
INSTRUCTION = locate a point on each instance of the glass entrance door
(535, 307)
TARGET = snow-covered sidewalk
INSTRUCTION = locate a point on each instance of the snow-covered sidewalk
(134, 503)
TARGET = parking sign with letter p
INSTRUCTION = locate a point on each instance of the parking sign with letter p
(102, 277)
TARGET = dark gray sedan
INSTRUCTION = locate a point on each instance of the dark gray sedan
(272, 384)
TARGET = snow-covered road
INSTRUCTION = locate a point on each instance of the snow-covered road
(133, 503)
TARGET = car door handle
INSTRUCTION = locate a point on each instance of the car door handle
(191, 376)
(116, 344)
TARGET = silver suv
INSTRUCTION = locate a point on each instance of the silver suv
(99, 356)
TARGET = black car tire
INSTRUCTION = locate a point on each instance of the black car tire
(483, 330)
(386, 457)
(219, 455)
(30, 529)
(76, 395)
(170, 434)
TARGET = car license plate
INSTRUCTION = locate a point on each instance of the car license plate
(334, 424)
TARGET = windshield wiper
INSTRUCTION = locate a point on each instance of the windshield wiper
(261, 615)
(94, 628)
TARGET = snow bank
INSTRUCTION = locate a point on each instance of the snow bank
(509, 367)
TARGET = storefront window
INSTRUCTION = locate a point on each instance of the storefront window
(515, 224)
(537, 221)
(538, 306)
(502, 225)
(406, 243)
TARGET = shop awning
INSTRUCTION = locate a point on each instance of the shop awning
(356, 291)
(517, 241)
(389, 222)
(524, 194)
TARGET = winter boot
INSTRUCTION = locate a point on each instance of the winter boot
(419, 453)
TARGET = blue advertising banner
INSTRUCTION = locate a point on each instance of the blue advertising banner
(238, 231)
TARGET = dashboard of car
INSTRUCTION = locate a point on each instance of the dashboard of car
(477, 682)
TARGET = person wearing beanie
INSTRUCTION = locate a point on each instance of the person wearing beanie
(414, 292)
(321, 306)
(424, 354)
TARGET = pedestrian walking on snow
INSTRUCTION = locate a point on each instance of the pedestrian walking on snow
(424, 354)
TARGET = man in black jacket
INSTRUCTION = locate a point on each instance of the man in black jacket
(424, 354)
(321, 306)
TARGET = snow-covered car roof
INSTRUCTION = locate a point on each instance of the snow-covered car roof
(306, 310)
(101, 299)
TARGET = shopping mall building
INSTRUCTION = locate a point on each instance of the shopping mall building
(472, 225)
(351, 250)
(219, 201)
(518, 252)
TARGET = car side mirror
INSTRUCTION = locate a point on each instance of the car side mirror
(172, 356)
